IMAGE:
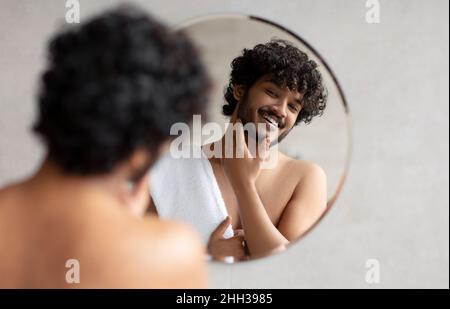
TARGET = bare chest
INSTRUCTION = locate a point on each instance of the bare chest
(273, 189)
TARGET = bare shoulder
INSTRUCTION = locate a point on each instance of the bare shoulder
(309, 198)
(7, 192)
(304, 169)
(310, 182)
(158, 254)
(177, 239)
(9, 196)
(312, 171)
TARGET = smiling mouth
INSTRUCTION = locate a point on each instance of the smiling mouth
(271, 120)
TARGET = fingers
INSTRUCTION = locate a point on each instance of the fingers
(234, 247)
(237, 146)
(223, 247)
(241, 145)
(238, 238)
(263, 148)
(239, 252)
(221, 228)
(246, 149)
(238, 232)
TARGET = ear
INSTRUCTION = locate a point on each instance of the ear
(238, 92)
(134, 193)
(139, 158)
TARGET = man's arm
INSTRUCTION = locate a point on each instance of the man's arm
(305, 207)
(307, 204)
(261, 236)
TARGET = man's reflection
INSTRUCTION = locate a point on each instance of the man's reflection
(277, 85)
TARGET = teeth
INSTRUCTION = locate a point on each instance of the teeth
(272, 121)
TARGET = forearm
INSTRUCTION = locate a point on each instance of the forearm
(261, 235)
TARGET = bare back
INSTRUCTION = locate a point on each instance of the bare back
(40, 230)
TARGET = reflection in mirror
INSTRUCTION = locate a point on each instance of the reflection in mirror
(276, 99)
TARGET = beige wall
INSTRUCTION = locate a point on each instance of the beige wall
(394, 206)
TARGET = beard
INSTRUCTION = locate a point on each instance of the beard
(246, 115)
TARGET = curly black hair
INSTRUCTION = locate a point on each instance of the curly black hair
(288, 67)
(115, 84)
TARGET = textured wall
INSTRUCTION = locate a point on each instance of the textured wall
(394, 206)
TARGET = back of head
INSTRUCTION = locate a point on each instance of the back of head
(113, 85)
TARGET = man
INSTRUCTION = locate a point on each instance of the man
(110, 92)
(273, 84)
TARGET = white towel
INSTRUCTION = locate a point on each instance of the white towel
(186, 189)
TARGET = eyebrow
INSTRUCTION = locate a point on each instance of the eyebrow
(269, 80)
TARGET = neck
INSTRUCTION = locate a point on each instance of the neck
(51, 190)
(50, 176)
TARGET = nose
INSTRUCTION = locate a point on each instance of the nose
(280, 109)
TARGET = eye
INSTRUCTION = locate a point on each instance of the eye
(293, 107)
(271, 93)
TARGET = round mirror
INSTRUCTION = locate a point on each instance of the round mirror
(277, 202)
